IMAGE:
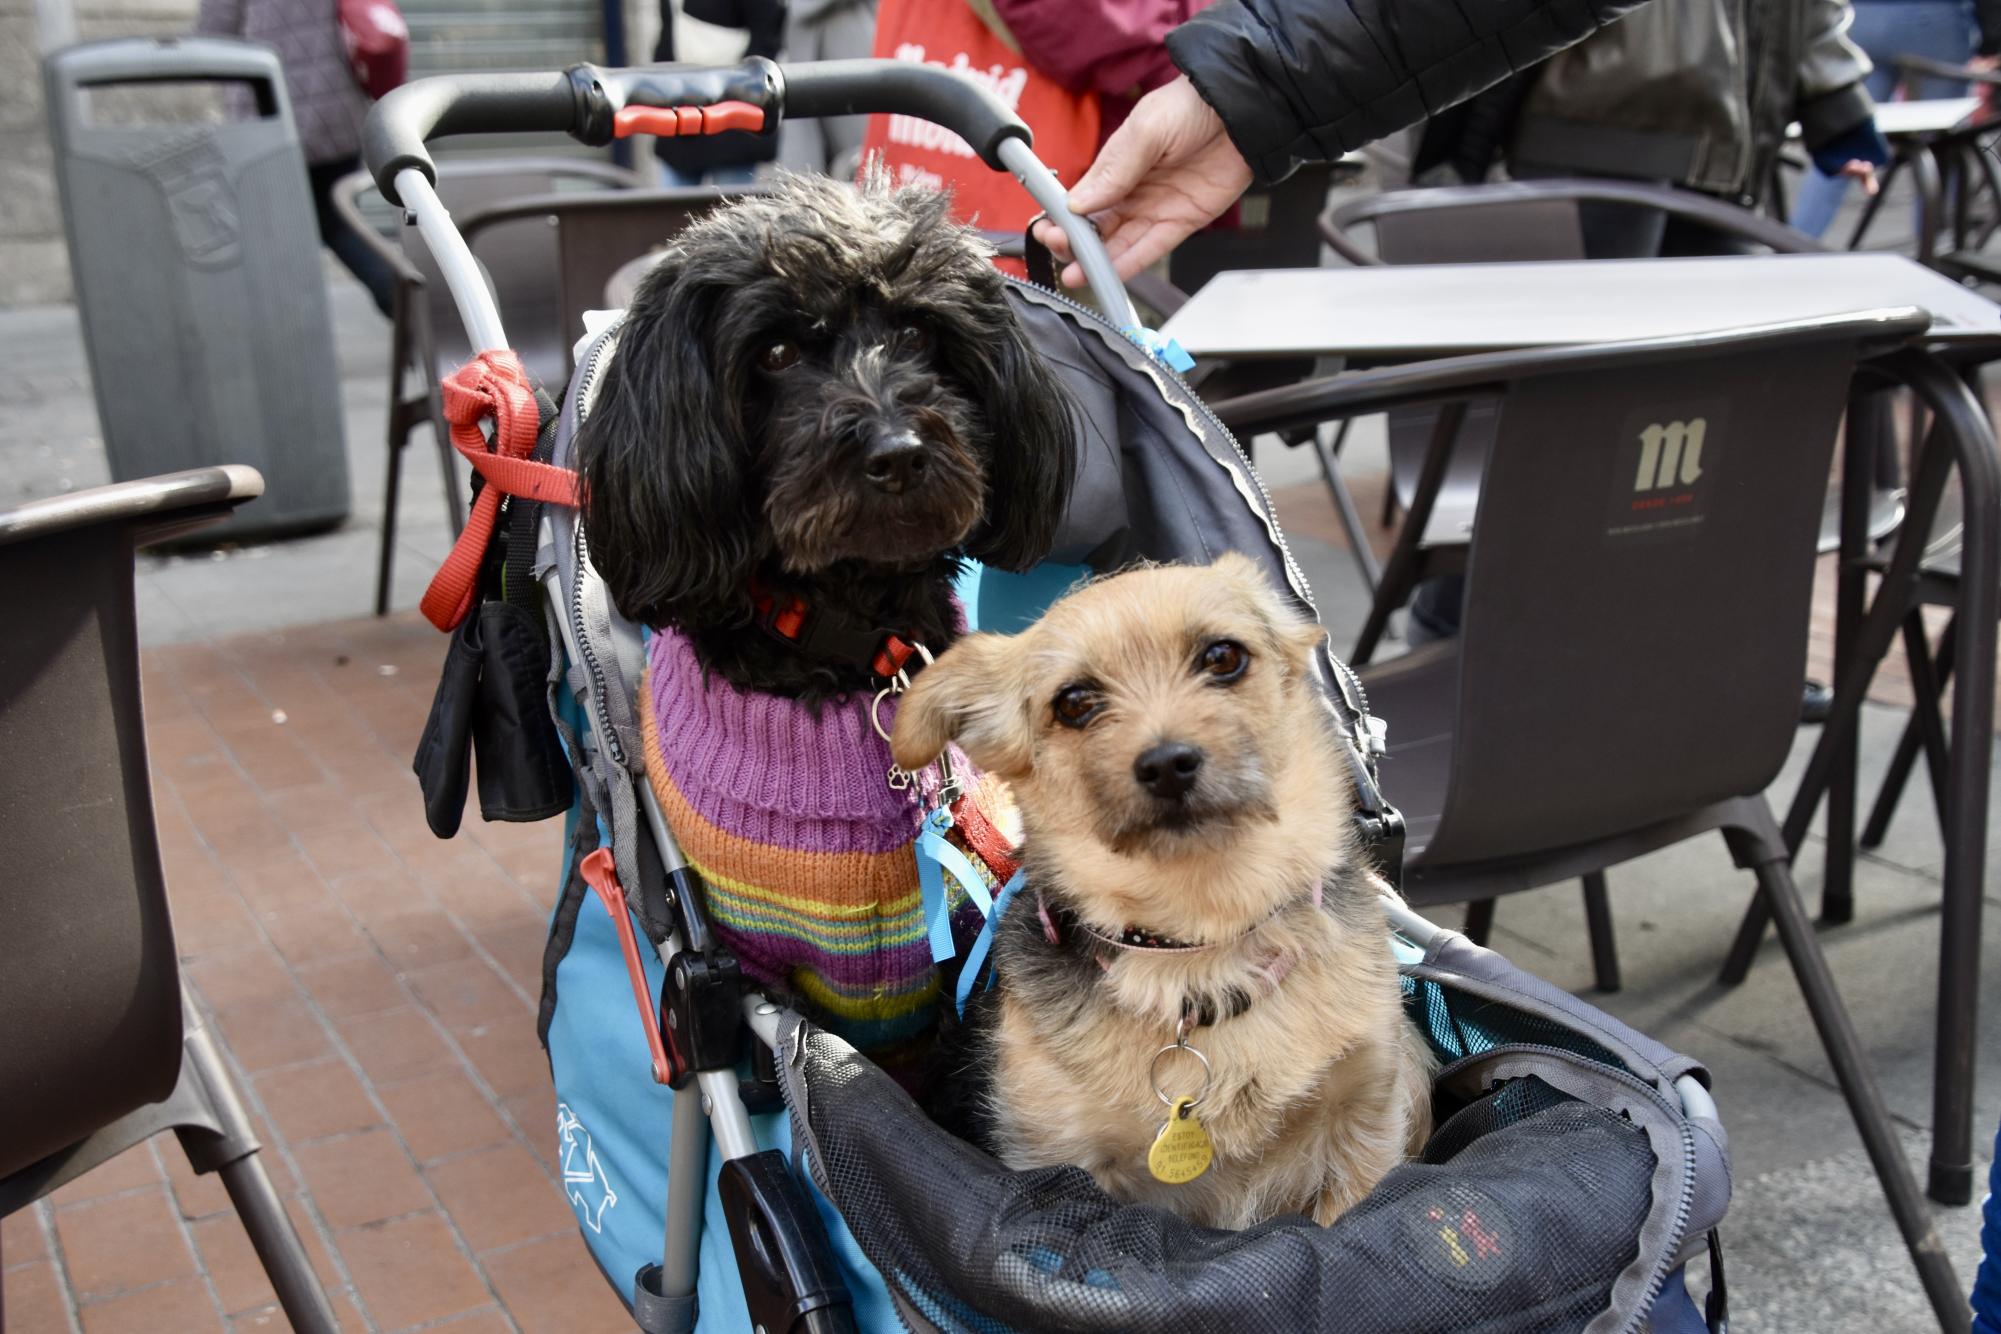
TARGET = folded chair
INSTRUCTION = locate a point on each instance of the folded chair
(1950, 167)
(427, 338)
(1639, 584)
(102, 1048)
(1938, 583)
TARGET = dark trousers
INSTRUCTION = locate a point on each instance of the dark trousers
(373, 271)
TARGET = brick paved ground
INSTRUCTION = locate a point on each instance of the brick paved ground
(374, 989)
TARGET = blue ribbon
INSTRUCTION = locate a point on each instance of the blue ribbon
(935, 856)
(977, 955)
(1162, 349)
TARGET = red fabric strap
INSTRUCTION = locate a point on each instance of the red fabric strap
(601, 874)
(889, 659)
(985, 838)
(493, 385)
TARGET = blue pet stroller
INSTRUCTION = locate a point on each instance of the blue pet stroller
(731, 1164)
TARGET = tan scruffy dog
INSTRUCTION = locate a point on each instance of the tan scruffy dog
(1195, 921)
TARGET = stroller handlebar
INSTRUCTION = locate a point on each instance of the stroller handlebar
(584, 101)
(595, 106)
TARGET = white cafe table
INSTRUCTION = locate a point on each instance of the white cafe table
(1410, 312)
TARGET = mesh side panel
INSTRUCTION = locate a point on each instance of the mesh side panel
(1512, 1102)
(1524, 1229)
(1459, 1025)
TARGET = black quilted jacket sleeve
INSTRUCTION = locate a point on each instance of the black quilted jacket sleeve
(1308, 80)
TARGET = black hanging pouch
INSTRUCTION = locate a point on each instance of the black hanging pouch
(492, 698)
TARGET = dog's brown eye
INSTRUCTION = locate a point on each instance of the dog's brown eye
(1225, 659)
(779, 355)
(1076, 706)
(914, 337)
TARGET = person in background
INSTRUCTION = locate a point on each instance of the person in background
(1268, 84)
(716, 32)
(1955, 32)
(826, 30)
(1697, 94)
(1114, 48)
(328, 107)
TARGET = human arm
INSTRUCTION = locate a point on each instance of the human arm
(1308, 80)
(1837, 118)
(1268, 84)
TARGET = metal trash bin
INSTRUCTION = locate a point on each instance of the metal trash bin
(196, 257)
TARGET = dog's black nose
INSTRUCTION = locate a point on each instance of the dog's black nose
(894, 461)
(1169, 769)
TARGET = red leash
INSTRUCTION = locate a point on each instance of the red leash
(492, 385)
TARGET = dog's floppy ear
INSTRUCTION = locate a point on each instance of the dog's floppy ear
(1294, 635)
(1033, 465)
(663, 457)
(971, 695)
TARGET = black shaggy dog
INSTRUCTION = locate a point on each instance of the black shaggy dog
(819, 393)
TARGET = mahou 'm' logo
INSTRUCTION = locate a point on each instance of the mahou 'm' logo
(1665, 470)
(1671, 455)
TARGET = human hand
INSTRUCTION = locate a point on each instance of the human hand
(1167, 171)
(1855, 155)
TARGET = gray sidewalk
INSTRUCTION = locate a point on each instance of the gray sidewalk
(1809, 1243)
(49, 444)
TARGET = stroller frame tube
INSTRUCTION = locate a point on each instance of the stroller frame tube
(714, 1105)
(461, 271)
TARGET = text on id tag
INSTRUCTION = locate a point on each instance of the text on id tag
(1181, 1151)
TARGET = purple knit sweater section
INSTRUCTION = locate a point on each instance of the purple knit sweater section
(770, 769)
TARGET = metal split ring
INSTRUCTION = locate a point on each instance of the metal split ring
(875, 705)
(897, 685)
(1153, 1073)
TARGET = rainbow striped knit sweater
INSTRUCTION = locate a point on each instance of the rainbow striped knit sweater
(804, 849)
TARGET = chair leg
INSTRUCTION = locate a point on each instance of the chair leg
(1598, 919)
(392, 485)
(448, 467)
(1479, 921)
(1329, 455)
(1929, 675)
(277, 1245)
(1865, 1100)
(1405, 565)
(228, 1146)
(1876, 201)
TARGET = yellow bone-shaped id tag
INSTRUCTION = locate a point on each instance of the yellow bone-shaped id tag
(1181, 1151)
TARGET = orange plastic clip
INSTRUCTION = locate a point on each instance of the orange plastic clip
(676, 122)
(600, 872)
